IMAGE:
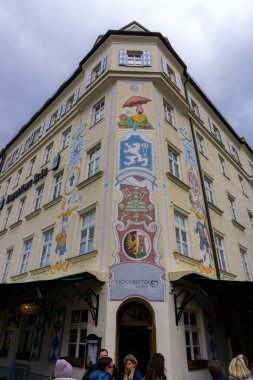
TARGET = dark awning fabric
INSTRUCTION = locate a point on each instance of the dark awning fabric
(43, 292)
(227, 294)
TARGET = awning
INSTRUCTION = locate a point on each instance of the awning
(227, 295)
(47, 293)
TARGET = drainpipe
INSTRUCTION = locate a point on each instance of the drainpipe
(209, 223)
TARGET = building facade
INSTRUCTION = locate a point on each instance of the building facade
(126, 220)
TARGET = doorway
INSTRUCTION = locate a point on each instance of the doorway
(135, 335)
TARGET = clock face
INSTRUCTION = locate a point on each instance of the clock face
(72, 180)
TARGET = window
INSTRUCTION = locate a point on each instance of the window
(200, 144)
(195, 107)
(48, 237)
(7, 186)
(181, 234)
(94, 159)
(233, 151)
(223, 166)
(215, 131)
(220, 251)
(48, 153)
(170, 73)
(26, 254)
(168, 112)
(66, 138)
(7, 264)
(77, 334)
(31, 166)
(26, 339)
(57, 185)
(98, 111)
(6, 337)
(96, 71)
(38, 198)
(242, 185)
(7, 217)
(251, 219)
(232, 207)
(87, 232)
(134, 57)
(251, 168)
(192, 336)
(245, 264)
(173, 162)
(21, 208)
(209, 189)
(19, 172)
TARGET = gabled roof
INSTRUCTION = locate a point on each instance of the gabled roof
(134, 26)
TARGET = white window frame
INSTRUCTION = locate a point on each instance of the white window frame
(38, 197)
(168, 112)
(31, 166)
(232, 207)
(58, 185)
(19, 173)
(79, 325)
(245, 263)
(46, 249)
(242, 185)
(192, 330)
(180, 222)
(98, 111)
(9, 254)
(26, 255)
(201, 144)
(209, 190)
(48, 153)
(7, 217)
(134, 58)
(219, 245)
(87, 232)
(174, 161)
(21, 208)
(66, 138)
(7, 185)
(251, 219)
(251, 168)
(94, 161)
(223, 166)
(6, 336)
(26, 338)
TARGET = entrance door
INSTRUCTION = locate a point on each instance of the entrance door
(135, 335)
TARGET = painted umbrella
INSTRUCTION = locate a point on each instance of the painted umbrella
(136, 101)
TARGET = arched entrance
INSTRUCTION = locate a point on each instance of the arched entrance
(135, 334)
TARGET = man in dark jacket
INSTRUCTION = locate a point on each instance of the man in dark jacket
(103, 371)
(102, 353)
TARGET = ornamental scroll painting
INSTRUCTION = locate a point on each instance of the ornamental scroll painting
(137, 269)
(196, 205)
(70, 202)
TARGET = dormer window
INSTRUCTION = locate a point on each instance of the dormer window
(96, 71)
(134, 58)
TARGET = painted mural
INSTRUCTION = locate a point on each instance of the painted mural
(196, 205)
(70, 202)
(137, 270)
(134, 117)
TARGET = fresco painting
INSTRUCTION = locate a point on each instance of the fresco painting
(196, 206)
(70, 202)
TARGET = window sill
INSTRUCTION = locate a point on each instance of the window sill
(171, 124)
(215, 208)
(197, 364)
(89, 180)
(179, 257)
(39, 270)
(203, 155)
(2, 232)
(82, 256)
(33, 214)
(14, 225)
(237, 224)
(226, 176)
(19, 277)
(226, 275)
(96, 123)
(75, 362)
(52, 202)
(22, 356)
(178, 181)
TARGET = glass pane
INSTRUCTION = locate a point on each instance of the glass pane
(73, 335)
(186, 319)
(196, 351)
(83, 335)
(84, 315)
(75, 318)
(193, 319)
(187, 338)
(81, 351)
(188, 353)
(72, 350)
(195, 338)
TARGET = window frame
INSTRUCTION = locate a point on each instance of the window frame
(31, 166)
(174, 162)
(191, 329)
(7, 217)
(38, 197)
(201, 144)
(9, 254)
(232, 207)
(46, 247)
(19, 173)
(66, 138)
(26, 256)
(179, 232)
(94, 163)
(208, 183)
(219, 245)
(223, 165)
(98, 111)
(21, 208)
(168, 113)
(48, 153)
(245, 263)
(88, 230)
(58, 180)
(78, 327)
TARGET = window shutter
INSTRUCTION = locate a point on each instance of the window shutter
(48, 122)
(222, 138)
(178, 80)
(58, 114)
(76, 94)
(122, 57)
(57, 332)
(230, 147)
(88, 79)
(210, 121)
(37, 337)
(103, 64)
(201, 113)
(147, 58)
(165, 67)
(63, 108)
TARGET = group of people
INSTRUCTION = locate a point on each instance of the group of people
(104, 369)
(238, 369)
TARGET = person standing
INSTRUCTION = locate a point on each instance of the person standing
(103, 370)
(216, 371)
(238, 370)
(102, 353)
(131, 373)
(63, 370)
(156, 368)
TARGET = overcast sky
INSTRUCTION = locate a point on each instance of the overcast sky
(43, 41)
